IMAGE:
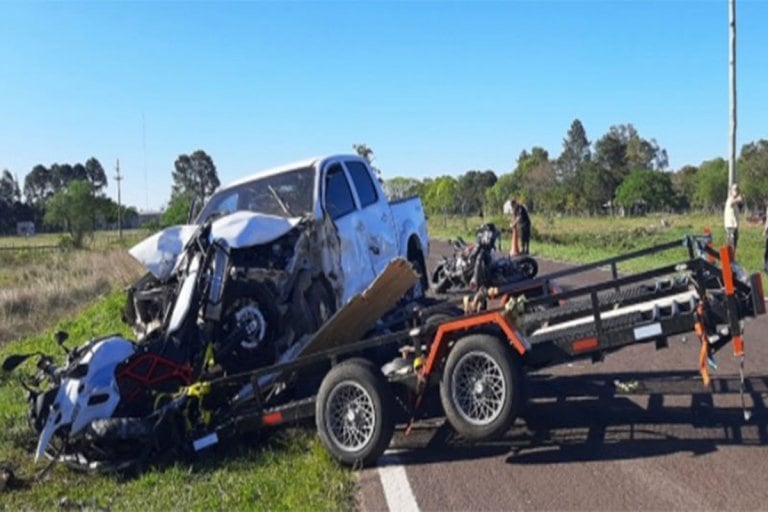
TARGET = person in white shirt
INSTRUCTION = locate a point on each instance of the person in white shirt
(765, 235)
(731, 214)
(510, 209)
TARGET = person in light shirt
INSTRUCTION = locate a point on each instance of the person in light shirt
(731, 214)
(765, 235)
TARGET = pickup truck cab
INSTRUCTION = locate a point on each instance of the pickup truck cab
(300, 241)
(344, 188)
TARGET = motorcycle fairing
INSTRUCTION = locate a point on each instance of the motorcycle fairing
(93, 396)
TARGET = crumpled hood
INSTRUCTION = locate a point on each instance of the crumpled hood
(159, 252)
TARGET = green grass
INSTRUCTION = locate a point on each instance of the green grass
(99, 240)
(288, 469)
(588, 239)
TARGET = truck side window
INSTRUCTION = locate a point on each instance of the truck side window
(338, 195)
(366, 190)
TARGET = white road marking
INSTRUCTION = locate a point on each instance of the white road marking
(394, 481)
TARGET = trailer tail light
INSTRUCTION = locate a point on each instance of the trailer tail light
(271, 419)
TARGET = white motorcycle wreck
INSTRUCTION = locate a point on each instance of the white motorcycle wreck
(113, 396)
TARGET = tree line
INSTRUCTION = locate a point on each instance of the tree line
(48, 192)
(621, 171)
(71, 197)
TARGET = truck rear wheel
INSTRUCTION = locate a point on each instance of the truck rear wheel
(480, 388)
(354, 413)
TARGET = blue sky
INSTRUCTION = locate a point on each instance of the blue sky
(433, 87)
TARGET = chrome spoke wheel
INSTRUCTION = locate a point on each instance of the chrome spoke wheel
(350, 416)
(478, 388)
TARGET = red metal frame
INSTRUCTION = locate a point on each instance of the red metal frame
(159, 369)
(441, 336)
(726, 256)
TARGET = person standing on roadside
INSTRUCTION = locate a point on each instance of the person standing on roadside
(510, 208)
(765, 235)
(731, 213)
(520, 226)
(524, 224)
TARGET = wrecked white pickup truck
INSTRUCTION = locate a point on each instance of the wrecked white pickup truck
(269, 260)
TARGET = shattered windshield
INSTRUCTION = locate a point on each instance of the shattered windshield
(287, 194)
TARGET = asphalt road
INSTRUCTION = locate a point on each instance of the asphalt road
(581, 447)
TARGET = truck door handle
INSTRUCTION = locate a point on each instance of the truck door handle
(374, 249)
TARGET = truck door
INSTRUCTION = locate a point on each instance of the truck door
(355, 257)
(381, 235)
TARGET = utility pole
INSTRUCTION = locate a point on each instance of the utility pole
(732, 76)
(118, 179)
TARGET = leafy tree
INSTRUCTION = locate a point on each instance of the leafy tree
(576, 153)
(541, 188)
(72, 208)
(595, 188)
(9, 189)
(177, 210)
(684, 183)
(711, 184)
(95, 174)
(195, 174)
(62, 174)
(470, 191)
(620, 151)
(508, 185)
(399, 188)
(105, 212)
(652, 188)
(37, 185)
(10, 201)
(364, 151)
(753, 172)
(440, 195)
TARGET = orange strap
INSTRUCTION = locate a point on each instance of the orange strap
(702, 335)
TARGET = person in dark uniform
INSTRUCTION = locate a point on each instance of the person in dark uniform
(524, 222)
(520, 227)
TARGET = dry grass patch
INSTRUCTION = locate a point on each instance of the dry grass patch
(37, 289)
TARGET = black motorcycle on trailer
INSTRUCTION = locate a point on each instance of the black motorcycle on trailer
(473, 265)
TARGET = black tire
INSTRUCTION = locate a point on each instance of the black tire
(321, 303)
(487, 366)
(419, 289)
(440, 280)
(349, 388)
(528, 267)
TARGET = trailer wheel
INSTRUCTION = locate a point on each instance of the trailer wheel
(354, 413)
(481, 387)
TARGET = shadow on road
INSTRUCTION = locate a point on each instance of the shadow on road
(584, 418)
